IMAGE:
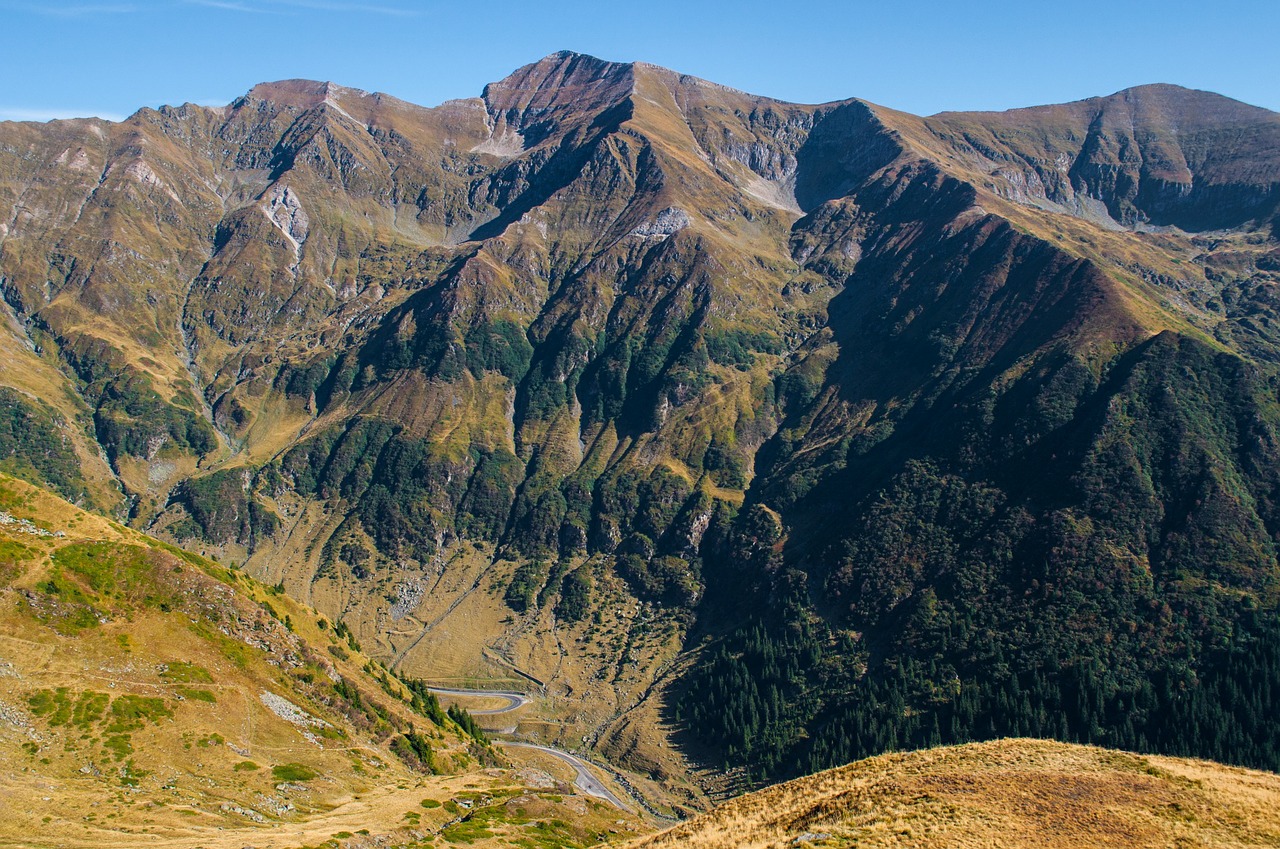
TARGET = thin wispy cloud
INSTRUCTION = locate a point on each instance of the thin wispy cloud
(74, 10)
(366, 8)
(279, 7)
(18, 113)
(229, 6)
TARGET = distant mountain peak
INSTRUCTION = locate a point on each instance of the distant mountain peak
(1172, 92)
(308, 94)
(564, 82)
(295, 92)
(1148, 99)
(561, 71)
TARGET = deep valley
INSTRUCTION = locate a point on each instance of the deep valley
(736, 439)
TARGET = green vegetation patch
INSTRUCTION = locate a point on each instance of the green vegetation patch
(131, 417)
(415, 750)
(575, 596)
(120, 745)
(293, 772)
(224, 509)
(11, 555)
(131, 713)
(738, 348)
(672, 580)
(69, 611)
(183, 672)
(554, 834)
(467, 723)
(118, 571)
(468, 831)
(501, 346)
(58, 707)
(232, 649)
(53, 704)
(483, 820)
(89, 708)
(34, 446)
(526, 582)
(116, 718)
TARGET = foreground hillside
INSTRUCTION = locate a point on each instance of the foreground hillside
(150, 697)
(1008, 794)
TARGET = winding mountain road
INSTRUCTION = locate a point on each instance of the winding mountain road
(514, 700)
(584, 779)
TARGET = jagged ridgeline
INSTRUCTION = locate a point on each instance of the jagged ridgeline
(938, 428)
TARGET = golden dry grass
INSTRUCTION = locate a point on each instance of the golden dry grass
(1008, 793)
(187, 777)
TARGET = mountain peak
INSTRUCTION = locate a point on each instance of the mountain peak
(562, 81)
(1172, 93)
(1151, 101)
(572, 62)
(1180, 106)
(564, 71)
(303, 94)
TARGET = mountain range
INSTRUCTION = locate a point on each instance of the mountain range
(759, 436)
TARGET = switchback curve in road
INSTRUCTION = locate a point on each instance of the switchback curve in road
(514, 700)
(584, 779)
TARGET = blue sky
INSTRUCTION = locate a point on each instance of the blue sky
(108, 57)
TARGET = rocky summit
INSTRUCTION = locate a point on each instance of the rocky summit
(754, 437)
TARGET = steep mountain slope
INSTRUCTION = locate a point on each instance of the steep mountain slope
(910, 419)
(149, 695)
(1155, 155)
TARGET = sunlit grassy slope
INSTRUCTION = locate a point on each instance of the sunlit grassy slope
(1008, 793)
(151, 697)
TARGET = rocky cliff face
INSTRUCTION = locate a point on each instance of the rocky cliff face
(1152, 155)
(723, 350)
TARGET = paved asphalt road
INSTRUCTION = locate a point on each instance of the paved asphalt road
(584, 781)
(514, 700)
